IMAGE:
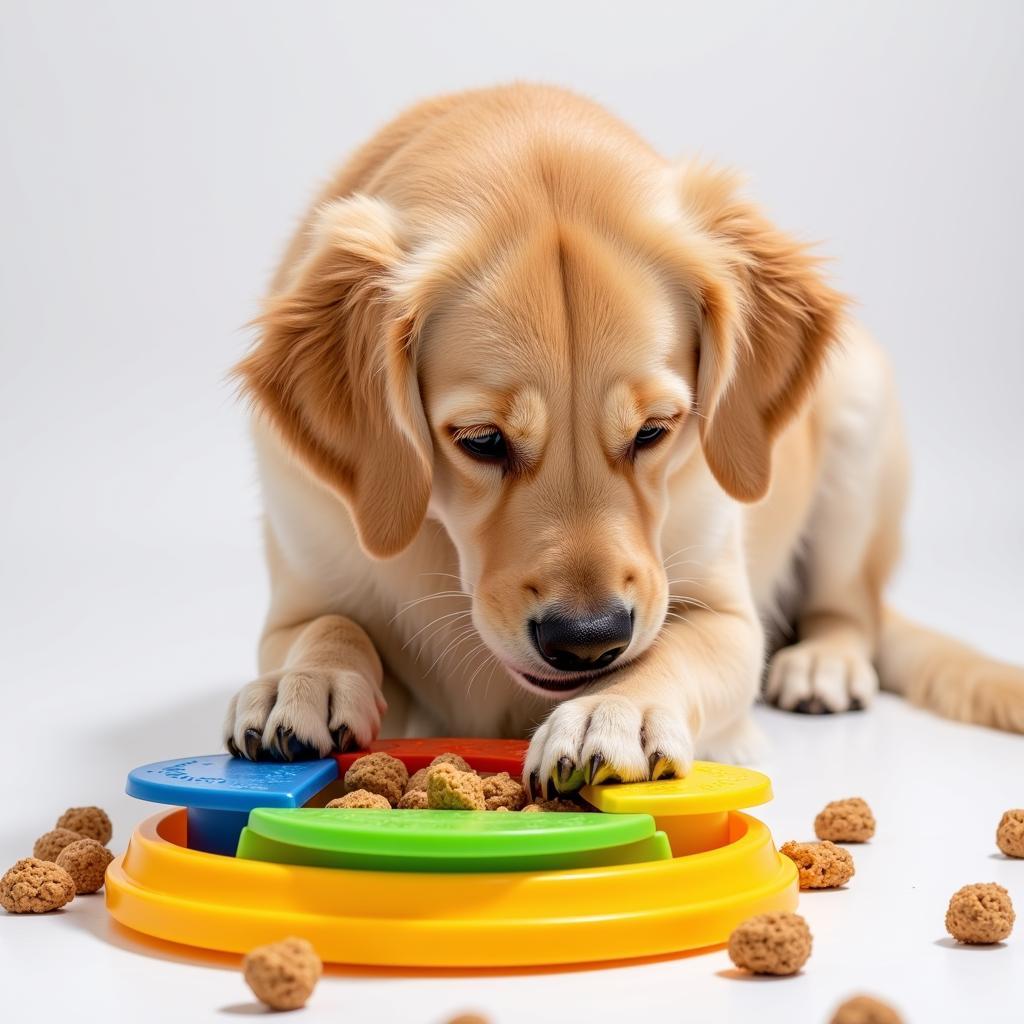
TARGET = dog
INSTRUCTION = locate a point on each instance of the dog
(558, 439)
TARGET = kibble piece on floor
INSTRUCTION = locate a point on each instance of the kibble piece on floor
(418, 780)
(49, 844)
(378, 773)
(865, 1010)
(35, 886)
(449, 789)
(845, 821)
(362, 798)
(980, 914)
(501, 791)
(1010, 834)
(86, 862)
(283, 974)
(413, 800)
(455, 760)
(91, 822)
(820, 865)
(771, 944)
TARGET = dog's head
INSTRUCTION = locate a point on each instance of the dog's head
(533, 380)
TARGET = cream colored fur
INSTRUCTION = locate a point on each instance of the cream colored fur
(516, 258)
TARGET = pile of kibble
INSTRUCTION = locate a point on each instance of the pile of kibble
(68, 861)
(448, 783)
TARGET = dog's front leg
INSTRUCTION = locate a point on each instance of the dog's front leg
(645, 721)
(320, 689)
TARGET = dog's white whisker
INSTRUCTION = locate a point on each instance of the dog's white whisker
(459, 638)
(433, 622)
(422, 600)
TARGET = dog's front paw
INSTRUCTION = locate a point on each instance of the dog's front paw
(298, 714)
(606, 738)
(820, 677)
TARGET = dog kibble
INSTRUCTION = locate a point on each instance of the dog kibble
(980, 914)
(361, 798)
(553, 805)
(771, 944)
(86, 862)
(91, 822)
(417, 781)
(449, 789)
(414, 800)
(820, 865)
(1010, 834)
(502, 792)
(35, 886)
(48, 845)
(455, 760)
(845, 821)
(865, 1010)
(378, 773)
(283, 974)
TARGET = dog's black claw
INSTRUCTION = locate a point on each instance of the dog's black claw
(811, 706)
(294, 749)
(596, 763)
(856, 704)
(566, 770)
(343, 739)
(534, 784)
(253, 744)
(659, 767)
(232, 747)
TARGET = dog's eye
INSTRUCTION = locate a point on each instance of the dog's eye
(490, 446)
(649, 434)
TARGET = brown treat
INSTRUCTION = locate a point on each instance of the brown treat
(378, 773)
(771, 944)
(86, 862)
(865, 1010)
(845, 821)
(821, 865)
(35, 886)
(1010, 834)
(502, 790)
(49, 844)
(471, 1018)
(91, 822)
(414, 800)
(283, 974)
(980, 914)
(362, 798)
(418, 780)
(497, 809)
(554, 805)
(449, 789)
(454, 760)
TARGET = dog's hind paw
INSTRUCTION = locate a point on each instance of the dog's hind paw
(606, 738)
(300, 714)
(820, 677)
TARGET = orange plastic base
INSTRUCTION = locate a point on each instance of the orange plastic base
(160, 887)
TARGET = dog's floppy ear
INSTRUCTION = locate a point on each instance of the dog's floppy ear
(333, 369)
(767, 329)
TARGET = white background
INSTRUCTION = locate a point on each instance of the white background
(153, 160)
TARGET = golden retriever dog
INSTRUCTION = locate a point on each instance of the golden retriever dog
(560, 440)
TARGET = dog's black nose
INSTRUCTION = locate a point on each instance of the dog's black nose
(581, 642)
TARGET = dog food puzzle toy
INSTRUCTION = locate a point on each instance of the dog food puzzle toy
(250, 854)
